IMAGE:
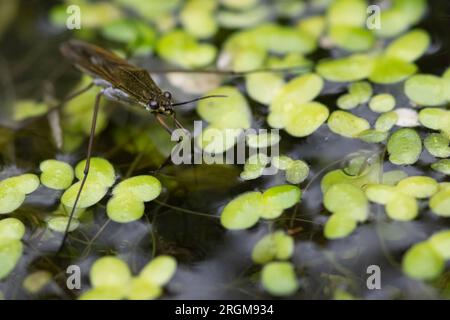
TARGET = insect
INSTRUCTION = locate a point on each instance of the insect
(123, 82)
(120, 81)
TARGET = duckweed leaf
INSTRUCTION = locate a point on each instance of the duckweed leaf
(10, 253)
(304, 119)
(347, 199)
(426, 90)
(442, 166)
(437, 145)
(391, 70)
(297, 171)
(361, 90)
(59, 224)
(382, 103)
(92, 193)
(277, 245)
(296, 92)
(144, 188)
(101, 172)
(216, 140)
(440, 242)
(373, 136)
(103, 293)
(262, 140)
(263, 87)
(404, 147)
(347, 124)
(352, 39)
(339, 225)
(25, 183)
(124, 208)
(410, 46)
(160, 270)
(434, 118)
(56, 174)
(386, 121)
(347, 12)
(440, 203)
(230, 112)
(141, 289)
(181, 48)
(283, 196)
(10, 199)
(418, 186)
(11, 229)
(36, 281)
(422, 262)
(242, 212)
(282, 162)
(279, 278)
(352, 68)
(380, 193)
(402, 207)
(110, 271)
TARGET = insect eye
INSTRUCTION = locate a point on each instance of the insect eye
(153, 104)
(168, 95)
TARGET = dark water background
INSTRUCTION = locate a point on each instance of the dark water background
(213, 263)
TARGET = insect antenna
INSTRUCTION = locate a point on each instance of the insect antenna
(201, 98)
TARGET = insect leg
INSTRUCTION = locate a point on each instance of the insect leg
(86, 167)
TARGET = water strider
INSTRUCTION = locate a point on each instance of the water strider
(123, 82)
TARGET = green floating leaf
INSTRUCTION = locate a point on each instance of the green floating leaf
(373, 136)
(197, 18)
(440, 203)
(24, 109)
(404, 147)
(440, 242)
(393, 177)
(10, 199)
(361, 90)
(382, 103)
(181, 48)
(386, 121)
(339, 225)
(352, 39)
(124, 208)
(263, 87)
(282, 162)
(312, 25)
(304, 119)
(59, 224)
(230, 112)
(25, 183)
(298, 91)
(254, 166)
(402, 207)
(279, 278)
(143, 188)
(409, 47)
(216, 140)
(348, 200)
(36, 281)
(389, 70)
(426, 90)
(103, 293)
(242, 19)
(347, 12)
(442, 166)
(101, 171)
(242, 212)
(56, 174)
(353, 68)
(141, 289)
(11, 229)
(437, 145)
(380, 193)
(418, 187)
(110, 271)
(160, 270)
(283, 196)
(347, 124)
(422, 262)
(277, 245)
(347, 102)
(297, 171)
(10, 253)
(434, 118)
(91, 193)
